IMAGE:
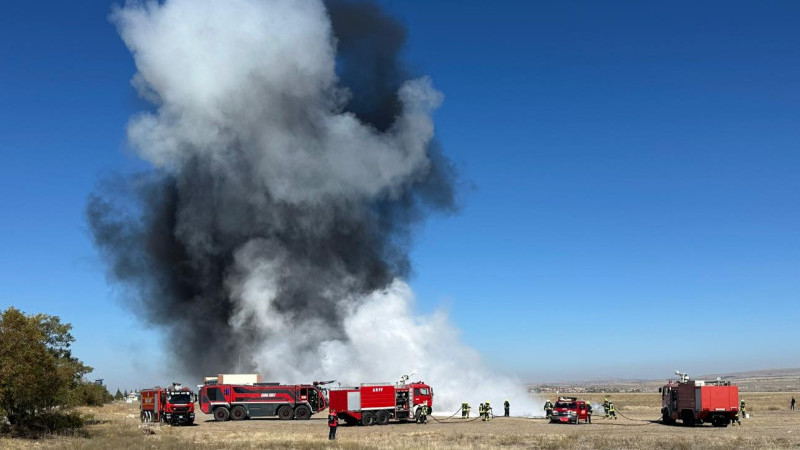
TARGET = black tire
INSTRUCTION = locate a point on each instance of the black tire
(417, 414)
(687, 417)
(221, 414)
(238, 412)
(350, 422)
(368, 419)
(190, 423)
(382, 418)
(302, 412)
(285, 412)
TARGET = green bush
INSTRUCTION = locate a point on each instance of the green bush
(39, 377)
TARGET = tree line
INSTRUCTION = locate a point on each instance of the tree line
(40, 380)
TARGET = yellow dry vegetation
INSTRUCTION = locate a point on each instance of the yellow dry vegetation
(771, 425)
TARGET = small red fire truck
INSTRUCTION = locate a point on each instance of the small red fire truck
(173, 405)
(696, 401)
(377, 403)
(243, 401)
(569, 410)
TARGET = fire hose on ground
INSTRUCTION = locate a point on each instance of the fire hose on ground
(447, 419)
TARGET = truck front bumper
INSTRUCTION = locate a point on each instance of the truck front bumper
(563, 418)
(179, 417)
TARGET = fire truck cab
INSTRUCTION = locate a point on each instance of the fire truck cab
(569, 410)
(173, 405)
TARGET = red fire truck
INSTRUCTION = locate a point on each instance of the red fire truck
(377, 403)
(243, 401)
(569, 410)
(696, 401)
(173, 405)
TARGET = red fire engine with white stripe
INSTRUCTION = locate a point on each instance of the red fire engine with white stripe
(377, 403)
(243, 401)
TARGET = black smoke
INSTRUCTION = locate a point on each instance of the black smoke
(175, 238)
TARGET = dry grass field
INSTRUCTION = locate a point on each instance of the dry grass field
(771, 426)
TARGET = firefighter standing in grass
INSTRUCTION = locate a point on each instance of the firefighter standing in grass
(548, 409)
(488, 414)
(422, 414)
(333, 423)
(742, 409)
(589, 411)
(465, 410)
(611, 411)
(605, 406)
(507, 408)
(791, 404)
(481, 411)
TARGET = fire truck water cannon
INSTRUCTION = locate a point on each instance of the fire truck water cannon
(695, 402)
(378, 403)
(173, 405)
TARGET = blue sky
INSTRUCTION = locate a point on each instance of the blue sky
(629, 181)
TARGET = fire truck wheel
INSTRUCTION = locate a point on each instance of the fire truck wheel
(221, 414)
(368, 419)
(285, 412)
(302, 412)
(666, 419)
(382, 418)
(238, 413)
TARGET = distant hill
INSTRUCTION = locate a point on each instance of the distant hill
(765, 380)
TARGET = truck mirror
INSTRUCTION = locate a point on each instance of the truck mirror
(659, 390)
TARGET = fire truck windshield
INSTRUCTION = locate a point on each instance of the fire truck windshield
(570, 405)
(179, 397)
(420, 391)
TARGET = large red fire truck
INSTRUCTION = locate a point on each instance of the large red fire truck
(243, 401)
(696, 401)
(377, 403)
(174, 405)
(569, 410)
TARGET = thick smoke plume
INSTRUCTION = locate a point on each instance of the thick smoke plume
(293, 154)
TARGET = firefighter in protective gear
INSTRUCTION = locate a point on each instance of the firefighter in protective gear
(589, 411)
(333, 423)
(481, 410)
(506, 408)
(611, 411)
(605, 406)
(743, 409)
(488, 414)
(548, 409)
(422, 414)
(465, 410)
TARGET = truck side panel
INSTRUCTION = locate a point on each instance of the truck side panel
(719, 398)
(338, 400)
(377, 397)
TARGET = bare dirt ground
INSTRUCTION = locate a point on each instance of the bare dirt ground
(771, 425)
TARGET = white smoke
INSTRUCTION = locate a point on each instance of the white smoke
(259, 77)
